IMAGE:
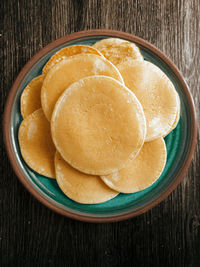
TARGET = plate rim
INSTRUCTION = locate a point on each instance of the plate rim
(38, 56)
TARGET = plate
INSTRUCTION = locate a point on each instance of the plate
(180, 142)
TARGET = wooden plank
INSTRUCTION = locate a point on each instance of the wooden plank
(32, 235)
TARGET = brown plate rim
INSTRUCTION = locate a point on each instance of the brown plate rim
(23, 72)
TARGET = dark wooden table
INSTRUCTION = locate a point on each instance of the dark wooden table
(31, 234)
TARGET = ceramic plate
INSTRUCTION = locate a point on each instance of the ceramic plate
(180, 142)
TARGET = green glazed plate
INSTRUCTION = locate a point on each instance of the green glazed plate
(180, 142)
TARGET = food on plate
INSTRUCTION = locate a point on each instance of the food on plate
(69, 71)
(177, 118)
(30, 98)
(97, 125)
(95, 120)
(67, 52)
(36, 145)
(81, 187)
(142, 171)
(156, 94)
(118, 50)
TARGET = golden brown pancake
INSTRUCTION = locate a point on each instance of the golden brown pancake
(80, 187)
(155, 92)
(30, 98)
(109, 42)
(177, 117)
(67, 52)
(36, 145)
(69, 71)
(97, 125)
(142, 171)
(118, 50)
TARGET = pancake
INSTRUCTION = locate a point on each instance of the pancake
(118, 50)
(109, 42)
(80, 187)
(177, 117)
(69, 71)
(67, 52)
(36, 145)
(30, 98)
(142, 171)
(97, 125)
(155, 92)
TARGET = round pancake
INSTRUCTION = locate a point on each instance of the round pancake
(69, 71)
(109, 42)
(67, 52)
(142, 171)
(118, 50)
(177, 117)
(36, 145)
(80, 187)
(30, 98)
(155, 92)
(97, 125)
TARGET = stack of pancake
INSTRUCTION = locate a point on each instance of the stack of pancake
(95, 120)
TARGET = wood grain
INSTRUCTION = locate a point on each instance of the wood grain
(167, 235)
